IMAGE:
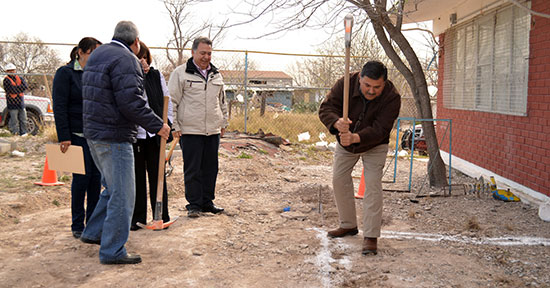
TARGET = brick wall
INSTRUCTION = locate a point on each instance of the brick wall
(514, 147)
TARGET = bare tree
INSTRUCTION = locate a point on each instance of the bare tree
(30, 56)
(431, 64)
(185, 32)
(2, 53)
(229, 63)
(324, 70)
(323, 13)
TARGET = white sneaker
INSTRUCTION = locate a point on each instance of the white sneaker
(25, 135)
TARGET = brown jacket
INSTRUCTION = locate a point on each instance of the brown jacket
(376, 124)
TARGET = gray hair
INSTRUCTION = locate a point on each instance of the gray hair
(126, 31)
(199, 40)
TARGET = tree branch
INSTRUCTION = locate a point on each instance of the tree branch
(531, 11)
(423, 30)
(385, 42)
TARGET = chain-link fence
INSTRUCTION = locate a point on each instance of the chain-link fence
(29, 91)
(276, 93)
(281, 93)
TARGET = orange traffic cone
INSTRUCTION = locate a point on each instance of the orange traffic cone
(49, 177)
(361, 191)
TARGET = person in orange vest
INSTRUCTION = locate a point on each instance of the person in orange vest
(14, 87)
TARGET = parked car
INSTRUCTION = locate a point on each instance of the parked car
(39, 110)
(419, 140)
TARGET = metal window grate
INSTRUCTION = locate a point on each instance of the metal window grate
(486, 63)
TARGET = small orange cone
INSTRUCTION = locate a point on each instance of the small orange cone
(361, 191)
(49, 177)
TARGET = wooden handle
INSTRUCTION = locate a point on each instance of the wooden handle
(348, 24)
(162, 153)
(172, 146)
(346, 86)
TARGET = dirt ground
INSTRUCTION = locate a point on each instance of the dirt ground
(456, 241)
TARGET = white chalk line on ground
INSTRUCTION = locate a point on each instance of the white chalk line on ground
(498, 241)
(324, 258)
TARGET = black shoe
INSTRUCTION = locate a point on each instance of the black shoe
(128, 259)
(90, 241)
(134, 227)
(213, 209)
(77, 234)
(193, 213)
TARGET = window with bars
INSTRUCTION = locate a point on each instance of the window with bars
(487, 63)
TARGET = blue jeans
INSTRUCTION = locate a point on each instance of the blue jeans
(18, 121)
(110, 221)
(84, 187)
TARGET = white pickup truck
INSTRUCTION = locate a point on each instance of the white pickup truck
(39, 110)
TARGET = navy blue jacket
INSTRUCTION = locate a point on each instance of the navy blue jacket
(112, 89)
(67, 101)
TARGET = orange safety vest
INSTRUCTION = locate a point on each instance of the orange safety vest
(16, 83)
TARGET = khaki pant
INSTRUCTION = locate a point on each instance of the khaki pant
(373, 164)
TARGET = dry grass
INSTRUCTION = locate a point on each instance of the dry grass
(50, 133)
(288, 125)
(284, 124)
(5, 133)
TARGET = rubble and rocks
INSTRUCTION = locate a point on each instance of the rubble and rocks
(255, 242)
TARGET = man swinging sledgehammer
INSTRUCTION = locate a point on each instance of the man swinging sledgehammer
(374, 105)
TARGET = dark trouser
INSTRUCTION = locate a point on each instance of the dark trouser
(18, 121)
(200, 168)
(89, 184)
(146, 161)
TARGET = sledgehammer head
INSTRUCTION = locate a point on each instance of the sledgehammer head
(348, 23)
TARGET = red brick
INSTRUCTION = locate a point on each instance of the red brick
(540, 153)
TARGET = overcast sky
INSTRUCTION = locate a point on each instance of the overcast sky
(67, 21)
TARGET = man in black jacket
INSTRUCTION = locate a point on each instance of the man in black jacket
(373, 107)
(112, 87)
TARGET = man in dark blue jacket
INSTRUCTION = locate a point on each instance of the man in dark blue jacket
(112, 87)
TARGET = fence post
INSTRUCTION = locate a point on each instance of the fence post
(48, 91)
(245, 90)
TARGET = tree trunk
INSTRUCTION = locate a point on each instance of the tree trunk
(415, 78)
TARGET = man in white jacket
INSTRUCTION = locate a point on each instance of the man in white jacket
(200, 119)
